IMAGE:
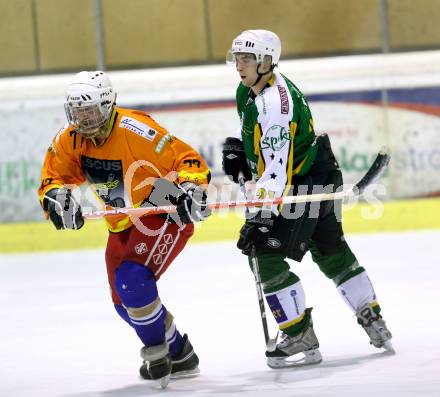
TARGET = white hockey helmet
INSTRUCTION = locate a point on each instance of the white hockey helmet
(259, 42)
(89, 103)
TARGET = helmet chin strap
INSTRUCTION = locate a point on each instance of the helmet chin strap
(260, 75)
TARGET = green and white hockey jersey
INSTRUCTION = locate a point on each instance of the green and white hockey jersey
(277, 134)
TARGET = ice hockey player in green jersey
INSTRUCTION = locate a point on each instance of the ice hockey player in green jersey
(278, 149)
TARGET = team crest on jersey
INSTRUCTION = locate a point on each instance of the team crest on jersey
(138, 128)
(275, 138)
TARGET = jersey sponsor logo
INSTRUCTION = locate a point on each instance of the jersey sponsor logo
(275, 138)
(97, 164)
(276, 308)
(274, 243)
(264, 104)
(138, 128)
(293, 294)
(105, 176)
(166, 138)
(284, 100)
(140, 248)
(106, 185)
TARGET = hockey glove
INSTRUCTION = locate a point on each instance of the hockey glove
(234, 160)
(192, 203)
(63, 210)
(255, 232)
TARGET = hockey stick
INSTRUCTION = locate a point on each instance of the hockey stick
(373, 173)
(270, 342)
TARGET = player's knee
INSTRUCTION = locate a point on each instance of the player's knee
(135, 284)
(270, 266)
(274, 272)
(339, 265)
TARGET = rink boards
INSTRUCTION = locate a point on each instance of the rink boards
(346, 96)
(362, 218)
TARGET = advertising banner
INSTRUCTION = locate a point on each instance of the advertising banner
(359, 123)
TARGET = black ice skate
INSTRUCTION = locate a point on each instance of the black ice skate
(186, 364)
(375, 327)
(157, 364)
(296, 351)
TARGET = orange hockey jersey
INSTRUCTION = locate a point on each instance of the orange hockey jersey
(122, 170)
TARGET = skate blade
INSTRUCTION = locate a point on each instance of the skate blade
(163, 382)
(309, 357)
(186, 374)
(389, 347)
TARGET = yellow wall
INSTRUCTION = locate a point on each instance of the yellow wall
(154, 32)
(66, 34)
(304, 26)
(16, 37)
(414, 23)
(55, 35)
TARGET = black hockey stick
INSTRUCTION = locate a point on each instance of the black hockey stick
(270, 342)
(256, 271)
(374, 172)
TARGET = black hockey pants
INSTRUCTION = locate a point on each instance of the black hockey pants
(309, 226)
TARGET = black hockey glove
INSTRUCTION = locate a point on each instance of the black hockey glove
(63, 210)
(192, 203)
(255, 232)
(234, 160)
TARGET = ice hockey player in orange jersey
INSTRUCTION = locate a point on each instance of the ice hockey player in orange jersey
(129, 160)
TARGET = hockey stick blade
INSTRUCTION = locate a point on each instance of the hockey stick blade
(377, 168)
(271, 344)
(374, 172)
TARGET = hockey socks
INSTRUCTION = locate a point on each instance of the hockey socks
(288, 308)
(357, 291)
(143, 309)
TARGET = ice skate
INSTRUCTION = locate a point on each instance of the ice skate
(157, 364)
(186, 364)
(296, 351)
(375, 327)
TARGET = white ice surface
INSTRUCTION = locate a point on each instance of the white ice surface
(59, 334)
